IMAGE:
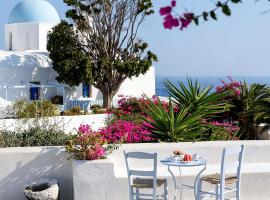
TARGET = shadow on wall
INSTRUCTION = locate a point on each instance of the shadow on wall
(20, 169)
(20, 69)
(33, 59)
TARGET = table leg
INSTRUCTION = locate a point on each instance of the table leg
(180, 184)
(196, 183)
(174, 181)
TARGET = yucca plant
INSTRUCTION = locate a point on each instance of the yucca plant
(169, 126)
(251, 107)
(197, 97)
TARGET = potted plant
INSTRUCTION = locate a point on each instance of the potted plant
(88, 149)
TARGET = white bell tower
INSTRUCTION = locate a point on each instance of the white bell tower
(29, 24)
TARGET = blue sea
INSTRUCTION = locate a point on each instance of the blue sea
(207, 80)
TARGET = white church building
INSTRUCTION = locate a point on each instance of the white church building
(25, 68)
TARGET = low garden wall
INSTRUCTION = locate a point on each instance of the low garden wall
(21, 166)
(107, 179)
(65, 123)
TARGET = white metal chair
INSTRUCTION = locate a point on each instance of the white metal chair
(140, 179)
(222, 180)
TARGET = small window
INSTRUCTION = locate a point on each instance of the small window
(86, 90)
(34, 92)
(10, 41)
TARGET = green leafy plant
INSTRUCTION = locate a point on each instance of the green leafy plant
(97, 109)
(34, 136)
(168, 126)
(197, 97)
(76, 110)
(251, 107)
(35, 109)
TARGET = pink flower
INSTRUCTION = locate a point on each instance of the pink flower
(127, 132)
(165, 10)
(84, 128)
(186, 20)
(218, 88)
(173, 3)
(96, 152)
(100, 151)
(237, 92)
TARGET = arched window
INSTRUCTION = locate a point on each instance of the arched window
(10, 41)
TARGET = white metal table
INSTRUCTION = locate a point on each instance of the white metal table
(200, 162)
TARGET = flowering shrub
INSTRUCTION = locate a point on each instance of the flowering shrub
(86, 145)
(233, 87)
(231, 127)
(122, 131)
(223, 130)
(133, 105)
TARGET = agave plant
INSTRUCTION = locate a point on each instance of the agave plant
(252, 107)
(169, 126)
(197, 97)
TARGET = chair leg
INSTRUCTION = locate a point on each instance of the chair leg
(154, 193)
(137, 193)
(238, 190)
(131, 194)
(217, 192)
(166, 190)
(199, 189)
(221, 192)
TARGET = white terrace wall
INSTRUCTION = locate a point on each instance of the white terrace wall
(21, 166)
(107, 180)
(68, 124)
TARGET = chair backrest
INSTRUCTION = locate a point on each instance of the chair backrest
(231, 160)
(134, 173)
(141, 156)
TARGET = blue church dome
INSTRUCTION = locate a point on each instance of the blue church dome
(33, 11)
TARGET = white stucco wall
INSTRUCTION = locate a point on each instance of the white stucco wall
(107, 179)
(27, 36)
(21, 166)
(44, 29)
(68, 124)
(20, 68)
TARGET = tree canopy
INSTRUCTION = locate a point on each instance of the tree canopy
(99, 44)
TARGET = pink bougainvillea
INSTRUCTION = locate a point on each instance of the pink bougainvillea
(86, 144)
(170, 20)
(234, 87)
(230, 127)
(122, 131)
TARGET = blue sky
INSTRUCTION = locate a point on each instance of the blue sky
(236, 45)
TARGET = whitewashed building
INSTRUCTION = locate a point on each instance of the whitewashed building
(25, 68)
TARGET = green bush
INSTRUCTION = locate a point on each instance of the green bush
(97, 109)
(35, 109)
(35, 136)
(76, 110)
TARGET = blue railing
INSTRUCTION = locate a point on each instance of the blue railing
(85, 104)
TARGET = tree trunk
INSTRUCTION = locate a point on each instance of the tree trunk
(107, 99)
